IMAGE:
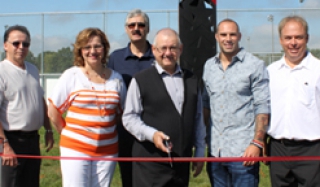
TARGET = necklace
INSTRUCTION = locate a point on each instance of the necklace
(102, 110)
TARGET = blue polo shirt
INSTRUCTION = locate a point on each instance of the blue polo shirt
(128, 64)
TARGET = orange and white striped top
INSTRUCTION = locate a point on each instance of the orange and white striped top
(91, 113)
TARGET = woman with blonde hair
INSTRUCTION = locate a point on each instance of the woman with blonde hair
(92, 97)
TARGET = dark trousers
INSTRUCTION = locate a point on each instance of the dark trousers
(26, 174)
(125, 150)
(295, 173)
(159, 174)
(208, 169)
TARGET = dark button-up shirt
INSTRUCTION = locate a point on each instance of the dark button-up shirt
(128, 64)
(234, 96)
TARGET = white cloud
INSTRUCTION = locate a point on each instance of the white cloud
(311, 4)
(98, 3)
(51, 43)
(261, 39)
(314, 42)
(61, 18)
(117, 41)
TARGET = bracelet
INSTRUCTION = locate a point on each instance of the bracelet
(5, 141)
(257, 143)
(49, 131)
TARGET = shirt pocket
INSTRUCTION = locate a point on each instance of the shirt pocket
(242, 86)
(306, 92)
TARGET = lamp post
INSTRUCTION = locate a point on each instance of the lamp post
(270, 18)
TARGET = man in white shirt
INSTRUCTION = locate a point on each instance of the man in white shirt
(295, 104)
(22, 112)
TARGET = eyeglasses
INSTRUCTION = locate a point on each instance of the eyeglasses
(95, 47)
(133, 25)
(16, 44)
(172, 49)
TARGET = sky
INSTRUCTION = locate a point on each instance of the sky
(60, 27)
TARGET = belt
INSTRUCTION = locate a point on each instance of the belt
(22, 133)
(290, 142)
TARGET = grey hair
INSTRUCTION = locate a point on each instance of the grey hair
(166, 29)
(138, 12)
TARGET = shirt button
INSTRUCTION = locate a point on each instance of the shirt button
(221, 106)
(220, 120)
(222, 92)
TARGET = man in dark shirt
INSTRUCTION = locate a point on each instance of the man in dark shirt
(137, 55)
(128, 61)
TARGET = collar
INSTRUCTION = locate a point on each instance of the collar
(128, 52)
(162, 71)
(15, 66)
(238, 57)
(305, 63)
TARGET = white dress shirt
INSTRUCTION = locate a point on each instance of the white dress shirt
(133, 108)
(295, 99)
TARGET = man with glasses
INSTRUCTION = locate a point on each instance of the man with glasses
(163, 111)
(23, 112)
(128, 61)
(137, 55)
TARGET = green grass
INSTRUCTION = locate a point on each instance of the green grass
(50, 175)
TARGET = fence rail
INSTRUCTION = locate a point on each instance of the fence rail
(52, 33)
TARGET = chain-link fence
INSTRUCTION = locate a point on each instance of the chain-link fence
(52, 34)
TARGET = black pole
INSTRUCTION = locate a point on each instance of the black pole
(197, 23)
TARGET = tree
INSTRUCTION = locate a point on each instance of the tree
(315, 52)
(57, 62)
(32, 59)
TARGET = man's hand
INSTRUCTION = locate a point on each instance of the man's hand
(197, 168)
(251, 151)
(158, 138)
(9, 160)
(49, 141)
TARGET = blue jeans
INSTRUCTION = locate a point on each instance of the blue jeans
(234, 174)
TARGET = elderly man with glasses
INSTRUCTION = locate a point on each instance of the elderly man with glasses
(163, 111)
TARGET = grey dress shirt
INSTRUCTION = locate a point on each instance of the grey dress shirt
(133, 108)
(234, 96)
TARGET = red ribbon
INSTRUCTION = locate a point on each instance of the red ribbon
(176, 159)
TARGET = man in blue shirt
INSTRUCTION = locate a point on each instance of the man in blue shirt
(128, 61)
(236, 97)
(137, 55)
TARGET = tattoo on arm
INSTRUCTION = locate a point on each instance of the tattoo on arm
(262, 123)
